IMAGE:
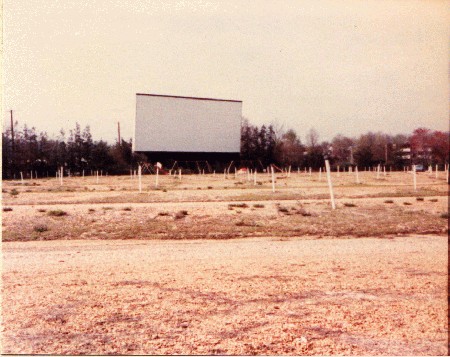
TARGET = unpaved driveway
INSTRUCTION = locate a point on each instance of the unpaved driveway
(253, 296)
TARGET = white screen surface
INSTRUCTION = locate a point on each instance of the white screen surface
(181, 124)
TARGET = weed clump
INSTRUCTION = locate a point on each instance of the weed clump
(40, 228)
(407, 203)
(283, 209)
(181, 214)
(57, 213)
(127, 208)
(237, 205)
(348, 204)
(444, 215)
(434, 200)
(163, 213)
(258, 205)
(7, 209)
(91, 210)
(388, 201)
(14, 192)
(419, 199)
(42, 210)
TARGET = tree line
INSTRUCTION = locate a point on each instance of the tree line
(33, 151)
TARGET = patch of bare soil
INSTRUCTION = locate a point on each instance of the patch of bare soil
(253, 296)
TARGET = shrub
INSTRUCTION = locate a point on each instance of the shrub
(258, 205)
(14, 192)
(209, 187)
(347, 204)
(7, 209)
(444, 215)
(407, 203)
(163, 213)
(434, 200)
(91, 210)
(180, 214)
(42, 210)
(388, 201)
(419, 199)
(40, 228)
(282, 209)
(107, 208)
(127, 208)
(57, 213)
(164, 190)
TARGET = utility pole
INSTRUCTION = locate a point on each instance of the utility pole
(118, 131)
(13, 146)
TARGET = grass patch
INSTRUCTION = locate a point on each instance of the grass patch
(258, 205)
(57, 213)
(420, 199)
(237, 205)
(42, 210)
(444, 215)
(40, 228)
(407, 203)
(127, 208)
(388, 201)
(348, 204)
(434, 200)
(283, 209)
(209, 187)
(107, 208)
(163, 214)
(14, 192)
(91, 210)
(7, 209)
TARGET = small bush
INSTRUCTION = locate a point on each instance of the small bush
(42, 210)
(107, 208)
(419, 199)
(434, 200)
(240, 223)
(40, 228)
(388, 201)
(347, 204)
(164, 190)
(7, 209)
(283, 209)
(127, 208)
(91, 210)
(258, 205)
(199, 188)
(444, 215)
(407, 203)
(4, 190)
(180, 214)
(57, 213)
(209, 187)
(163, 213)
(14, 192)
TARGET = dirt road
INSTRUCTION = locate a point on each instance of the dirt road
(253, 296)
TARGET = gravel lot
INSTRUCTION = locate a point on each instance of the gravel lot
(266, 295)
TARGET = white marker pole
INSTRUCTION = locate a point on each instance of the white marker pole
(298, 170)
(378, 171)
(320, 174)
(338, 174)
(224, 174)
(131, 174)
(31, 174)
(83, 173)
(330, 185)
(384, 170)
(157, 177)
(61, 176)
(235, 173)
(289, 172)
(436, 170)
(97, 176)
(357, 175)
(21, 177)
(139, 178)
(414, 177)
(179, 173)
(310, 171)
(254, 178)
(273, 179)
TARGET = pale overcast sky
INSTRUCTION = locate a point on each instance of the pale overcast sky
(342, 66)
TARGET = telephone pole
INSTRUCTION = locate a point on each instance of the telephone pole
(13, 146)
(118, 131)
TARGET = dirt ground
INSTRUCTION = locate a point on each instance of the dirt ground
(207, 265)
